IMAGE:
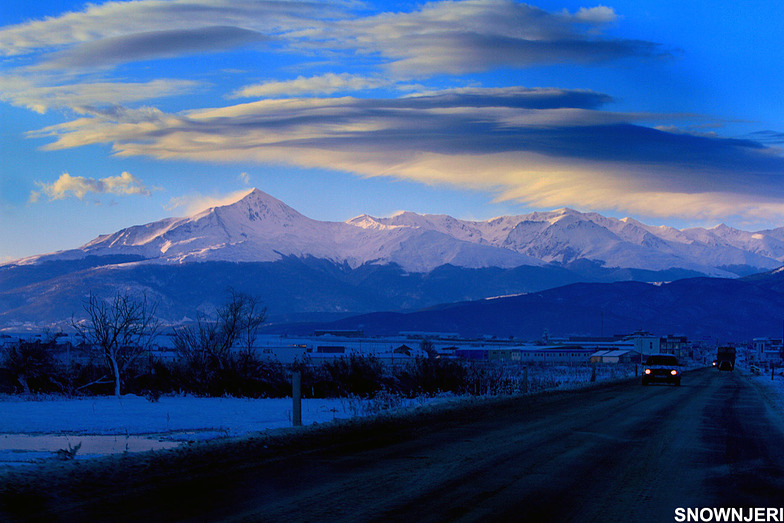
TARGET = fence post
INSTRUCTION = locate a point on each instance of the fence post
(593, 373)
(525, 380)
(296, 396)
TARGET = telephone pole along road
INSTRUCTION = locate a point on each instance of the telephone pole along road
(618, 452)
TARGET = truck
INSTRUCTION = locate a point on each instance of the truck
(725, 358)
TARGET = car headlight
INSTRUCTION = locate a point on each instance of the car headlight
(673, 372)
(647, 371)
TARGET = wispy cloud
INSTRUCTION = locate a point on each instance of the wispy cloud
(151, 45)
(545, 147)
(78, 186)
(441, 37)
(471, 36)
(68, 59)
(26, 91)
(596, 16)
(63, 61)
(322, 84)
(768, 136)
(162, 22)
(196, 202)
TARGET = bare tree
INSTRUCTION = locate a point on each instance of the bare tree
(429, 349)
(121, 329)
(210, 342)
(252, 317)
(201, 344)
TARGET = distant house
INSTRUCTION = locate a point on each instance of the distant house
(767, 350)
(472, 354)
(403, 349)
(556, 354)
(645, 343)
(676, 345)
(340, 333)
(615, 356)
(510, 354)
(421, 335)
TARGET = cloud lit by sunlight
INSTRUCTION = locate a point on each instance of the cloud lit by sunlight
(545, 148)
(78, 186)
(323, 84)
(386, 94)
(195, 203)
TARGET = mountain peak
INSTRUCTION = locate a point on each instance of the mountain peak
(256, 206)
(252, 193)
(252, 196)
(722, 227)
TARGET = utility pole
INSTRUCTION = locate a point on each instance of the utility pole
(296, 397)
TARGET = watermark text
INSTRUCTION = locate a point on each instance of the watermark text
(758, 514)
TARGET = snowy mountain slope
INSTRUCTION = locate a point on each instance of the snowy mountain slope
(407, 261)
(260, 228)
(565, 235)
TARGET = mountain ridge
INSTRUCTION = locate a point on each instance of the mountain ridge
(304, 269)
(717, 309)
(261, 228)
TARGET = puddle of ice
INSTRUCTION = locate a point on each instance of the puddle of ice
(20, 449)
(90, 444)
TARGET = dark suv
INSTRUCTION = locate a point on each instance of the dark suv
(661, 367)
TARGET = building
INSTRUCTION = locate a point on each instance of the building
(615, 356)
(767, 350)
(676, 345)
(645, 343)
(556, 355)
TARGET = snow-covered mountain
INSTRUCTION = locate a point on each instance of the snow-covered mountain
(308, 270)
(260, 228)
(566, 235)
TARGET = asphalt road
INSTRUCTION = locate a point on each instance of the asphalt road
(621, 452)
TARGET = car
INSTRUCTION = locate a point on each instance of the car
(662, 368)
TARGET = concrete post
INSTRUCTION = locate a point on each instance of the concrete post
(296, 396)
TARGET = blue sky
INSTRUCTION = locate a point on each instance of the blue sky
(120, 113)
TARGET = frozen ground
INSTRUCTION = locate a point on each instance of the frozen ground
(772, 387)
(36, 429)
(47, 427)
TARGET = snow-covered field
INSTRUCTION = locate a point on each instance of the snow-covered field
(33, 429)
(772, 389)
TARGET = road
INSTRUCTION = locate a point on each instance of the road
(620, 452)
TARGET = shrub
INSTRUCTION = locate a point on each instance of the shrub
(358, 375)
(33, 367)
(431, 376)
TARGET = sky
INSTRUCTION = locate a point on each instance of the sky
(120, 113)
